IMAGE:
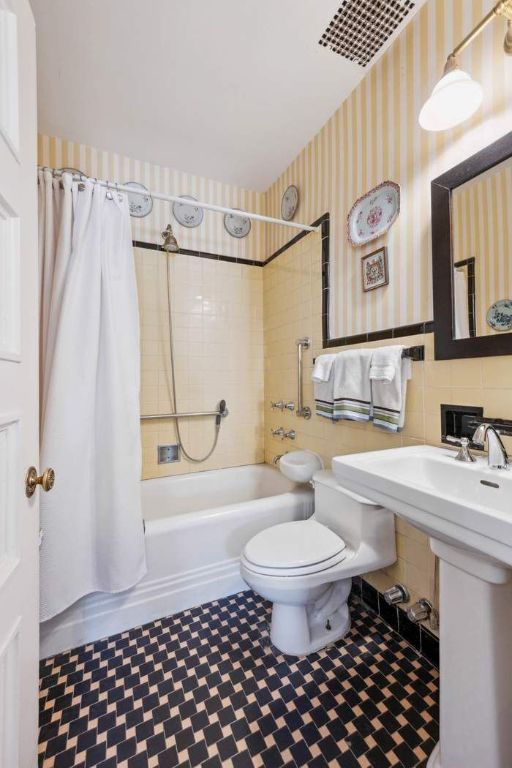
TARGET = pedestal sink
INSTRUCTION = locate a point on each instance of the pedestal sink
(466, 510)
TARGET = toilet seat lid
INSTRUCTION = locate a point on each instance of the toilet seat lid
(298, 544)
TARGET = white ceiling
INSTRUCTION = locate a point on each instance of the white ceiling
(227, 89)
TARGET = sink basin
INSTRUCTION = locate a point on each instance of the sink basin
(300, 466)
(466, 510)
(466, 505)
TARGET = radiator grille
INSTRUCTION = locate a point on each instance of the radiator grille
(360, 28)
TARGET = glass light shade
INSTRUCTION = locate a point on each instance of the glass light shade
(454, 99)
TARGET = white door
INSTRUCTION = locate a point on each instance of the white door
(19, 516)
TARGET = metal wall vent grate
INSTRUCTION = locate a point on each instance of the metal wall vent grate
(360, 28)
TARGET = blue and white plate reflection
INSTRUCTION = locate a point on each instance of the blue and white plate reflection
(499, 315)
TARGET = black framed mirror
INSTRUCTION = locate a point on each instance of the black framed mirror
(472, 255)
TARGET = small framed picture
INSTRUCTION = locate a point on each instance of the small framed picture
(375, 269)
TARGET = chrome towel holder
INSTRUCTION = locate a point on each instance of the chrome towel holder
(416, 353)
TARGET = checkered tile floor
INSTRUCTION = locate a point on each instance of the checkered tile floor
(205, 688)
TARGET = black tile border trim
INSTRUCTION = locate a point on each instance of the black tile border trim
(324, 222)
(387, 333)
(200, 254)
(417, 635)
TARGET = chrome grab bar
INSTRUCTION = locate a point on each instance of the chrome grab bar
(179, 415)
(221, 412)
(302, 410)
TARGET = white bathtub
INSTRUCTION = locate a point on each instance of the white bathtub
(196, 527)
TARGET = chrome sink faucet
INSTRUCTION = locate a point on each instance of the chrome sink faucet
(497, 454)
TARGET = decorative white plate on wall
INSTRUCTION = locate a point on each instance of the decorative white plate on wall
(237, 226)
(140, 201)
(186, 214)
(499, 315)
(374, 213)
(289, 202)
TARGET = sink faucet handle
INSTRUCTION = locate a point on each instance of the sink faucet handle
(464, 453)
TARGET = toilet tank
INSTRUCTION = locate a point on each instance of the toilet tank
(349, 515)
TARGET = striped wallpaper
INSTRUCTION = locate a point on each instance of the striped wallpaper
(374, 136)
(210, 236)
(481, 229)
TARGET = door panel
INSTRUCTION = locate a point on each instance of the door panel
(9, 78)
(9, 528)
(19, 516)
(10, 264)
(10, 698)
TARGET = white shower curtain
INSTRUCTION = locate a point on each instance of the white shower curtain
(92, 529)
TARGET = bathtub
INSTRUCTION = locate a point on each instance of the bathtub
(196, 527)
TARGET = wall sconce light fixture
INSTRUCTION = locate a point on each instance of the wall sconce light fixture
(457, 96)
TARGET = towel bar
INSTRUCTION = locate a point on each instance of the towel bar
(412, 353)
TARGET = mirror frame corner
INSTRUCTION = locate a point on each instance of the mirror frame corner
(446, 347)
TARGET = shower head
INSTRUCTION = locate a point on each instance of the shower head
(170, 243)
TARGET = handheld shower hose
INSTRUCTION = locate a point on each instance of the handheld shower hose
(222, 404)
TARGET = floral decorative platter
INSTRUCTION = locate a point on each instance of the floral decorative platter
(237, 226)
(374, 213)
(140, 201)
(499, 315)
(289, 202)
(186, 213)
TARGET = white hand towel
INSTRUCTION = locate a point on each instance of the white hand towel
(322, 378)
(385, 363)
(389, 395)
(323, 367)
(352, 393)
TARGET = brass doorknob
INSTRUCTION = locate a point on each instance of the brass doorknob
(32, 480)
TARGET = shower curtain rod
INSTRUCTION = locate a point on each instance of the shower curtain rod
(196, 203)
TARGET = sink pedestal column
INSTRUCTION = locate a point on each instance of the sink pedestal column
(475, 661)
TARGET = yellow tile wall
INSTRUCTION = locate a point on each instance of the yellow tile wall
(218, 341)
(292, 308)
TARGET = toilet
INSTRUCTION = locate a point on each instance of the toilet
(305, 568)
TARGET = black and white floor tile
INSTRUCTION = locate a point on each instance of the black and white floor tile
(205, 688)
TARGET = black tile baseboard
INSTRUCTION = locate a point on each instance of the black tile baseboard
(417, 635)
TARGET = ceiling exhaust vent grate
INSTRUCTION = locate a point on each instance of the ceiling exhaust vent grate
(360, 28)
